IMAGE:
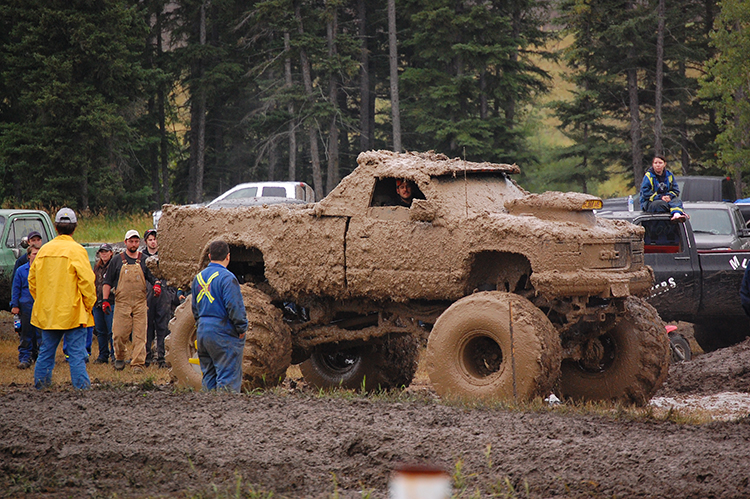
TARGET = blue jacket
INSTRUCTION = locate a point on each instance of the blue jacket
(217, 302)
(21, 297)
(745, 291)
(654, 187)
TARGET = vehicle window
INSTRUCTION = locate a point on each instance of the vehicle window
(662, 236)
(385, 194)
(715, 222)
(21, 227)
(739, 220)
(274, 192)
(248, 192)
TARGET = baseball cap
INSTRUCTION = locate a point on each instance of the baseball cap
(104, 247)
(66, 215)
(132, 233)
(148, 233)
(34, 234)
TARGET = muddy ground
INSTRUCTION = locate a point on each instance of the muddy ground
(142, 441)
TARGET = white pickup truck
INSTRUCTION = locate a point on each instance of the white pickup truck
(258, 194)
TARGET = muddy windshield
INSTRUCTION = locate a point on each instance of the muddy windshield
(476, 193)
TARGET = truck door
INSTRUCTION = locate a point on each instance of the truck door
(722, 277)
(394, 256)
(670, 251)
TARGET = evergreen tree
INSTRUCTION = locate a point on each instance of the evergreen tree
(583, 119)
(727, 84)
(468, 74)
(67, 135)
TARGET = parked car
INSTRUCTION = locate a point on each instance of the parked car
(718, 226)
(258, 193)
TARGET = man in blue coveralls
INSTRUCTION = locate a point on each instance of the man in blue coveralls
(220, 315)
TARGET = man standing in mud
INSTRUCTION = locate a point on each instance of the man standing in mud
(128, 276)
(221, 320)
(62, 284)
(159, 309)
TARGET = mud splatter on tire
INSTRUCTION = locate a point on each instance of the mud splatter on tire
(383, 364)
(268, 344)
(634, 365)
(470, 353)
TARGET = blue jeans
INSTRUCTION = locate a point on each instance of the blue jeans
(76, 340)
(220, 354)
(89, 342)
(31, 337)
(103, 329)
(661, 206)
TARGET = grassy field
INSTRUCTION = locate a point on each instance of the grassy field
(10, 375)
(110, 228)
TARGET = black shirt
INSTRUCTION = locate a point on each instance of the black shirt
(112, 277)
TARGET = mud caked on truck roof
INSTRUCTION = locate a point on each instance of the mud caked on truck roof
(519, 294)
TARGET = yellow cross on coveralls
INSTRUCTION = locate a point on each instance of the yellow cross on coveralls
(206, 287)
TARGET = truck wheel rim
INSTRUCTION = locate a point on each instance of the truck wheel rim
(480, 355)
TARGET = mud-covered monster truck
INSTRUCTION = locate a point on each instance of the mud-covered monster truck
(527, 293)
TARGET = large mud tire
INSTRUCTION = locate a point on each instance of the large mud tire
(471, 355)
(180, 348)
(380, 365)
(268, 344)
(634, 364)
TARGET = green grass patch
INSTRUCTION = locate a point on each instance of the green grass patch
(108, 228)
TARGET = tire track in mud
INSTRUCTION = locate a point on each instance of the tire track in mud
(139, 443)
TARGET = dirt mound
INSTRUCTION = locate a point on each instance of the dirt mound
(725, 370)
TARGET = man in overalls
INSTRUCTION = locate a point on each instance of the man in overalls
(126, 278)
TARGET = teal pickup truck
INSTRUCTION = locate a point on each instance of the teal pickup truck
(15, 226)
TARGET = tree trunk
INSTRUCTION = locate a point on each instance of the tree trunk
(311, 131)
(365, 135)
(161, 110)
(290, 109)
(635, 120)
(198, 122)
(153, 157)
(483, 103)
(510, 104)
(741, 131)
(659, 90)
(393, 61)
(683, 128)
(273, 159)
(332, 176)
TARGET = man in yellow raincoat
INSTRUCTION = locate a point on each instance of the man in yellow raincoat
(62, 284)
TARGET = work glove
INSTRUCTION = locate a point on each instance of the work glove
(157, 289)
(106, 307)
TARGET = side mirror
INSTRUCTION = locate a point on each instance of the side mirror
(744, 232)
(24, 242)
(422, 210)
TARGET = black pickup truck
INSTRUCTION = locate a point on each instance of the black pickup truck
(691, 284)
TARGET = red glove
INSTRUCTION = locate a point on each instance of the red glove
(106, 307)
(157, 289)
